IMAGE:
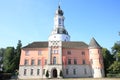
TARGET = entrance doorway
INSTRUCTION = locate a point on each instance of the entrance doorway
(54, 73)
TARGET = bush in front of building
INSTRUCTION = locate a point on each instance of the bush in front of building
(47, 74)
(61, 74)
(113, 75)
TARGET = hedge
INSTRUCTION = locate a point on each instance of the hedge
(113, 75)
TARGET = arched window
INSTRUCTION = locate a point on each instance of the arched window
(54, 60)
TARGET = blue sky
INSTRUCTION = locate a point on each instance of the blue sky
(32, 20)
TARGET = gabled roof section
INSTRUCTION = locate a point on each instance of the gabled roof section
(74, 45)
(37, 45)
(94, 44)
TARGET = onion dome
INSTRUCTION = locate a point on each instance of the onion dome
(59, 11)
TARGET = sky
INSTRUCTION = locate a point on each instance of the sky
(32, 20)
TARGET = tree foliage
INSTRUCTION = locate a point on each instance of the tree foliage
(116, 51)
(61, 74)
(2, 50)
(47, 74)
(107, 58)
(11, 58)
(17, 54)
(115, 68)
(8, 60)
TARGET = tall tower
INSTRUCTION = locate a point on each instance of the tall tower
(57, 36)
(96, 59)
(59, 32)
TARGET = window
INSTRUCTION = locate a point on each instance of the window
(99, 60)
(45, 61)
(67, 72)
(75, 61)
(43, 71)
(59, 20)
(31, 72)
(83, 53)
(26, 62)
(69, 61)
(55, 51)
(38, 71)
(83, 61)
(27, 53)
(25, 71)
(91, 61)
(39, 53)
(85, 72)
(69, 52)
(32, 62)
(54, 60)
(74, 71)
(39, 62)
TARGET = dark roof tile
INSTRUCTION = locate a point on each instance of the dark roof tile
(64, 44)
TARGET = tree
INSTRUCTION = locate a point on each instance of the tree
(17, 54)
(116, 51)
(107, 59)
(114, 68)
(8, 60)
(1, 58)
(47, 74)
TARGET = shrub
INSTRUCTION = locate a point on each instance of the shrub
(113, 75)
(47, 74)
(61, 74)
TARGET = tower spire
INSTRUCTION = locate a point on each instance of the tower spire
(59, 3)
(59, 32)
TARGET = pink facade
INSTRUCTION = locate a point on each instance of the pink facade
(60, 55)
(78, 54)
(33, 54)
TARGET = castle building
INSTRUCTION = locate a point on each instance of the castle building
(61, 57)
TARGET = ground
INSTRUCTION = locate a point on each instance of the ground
(80, 79)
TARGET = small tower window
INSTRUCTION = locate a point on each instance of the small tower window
(59, 20)
(54, 60)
